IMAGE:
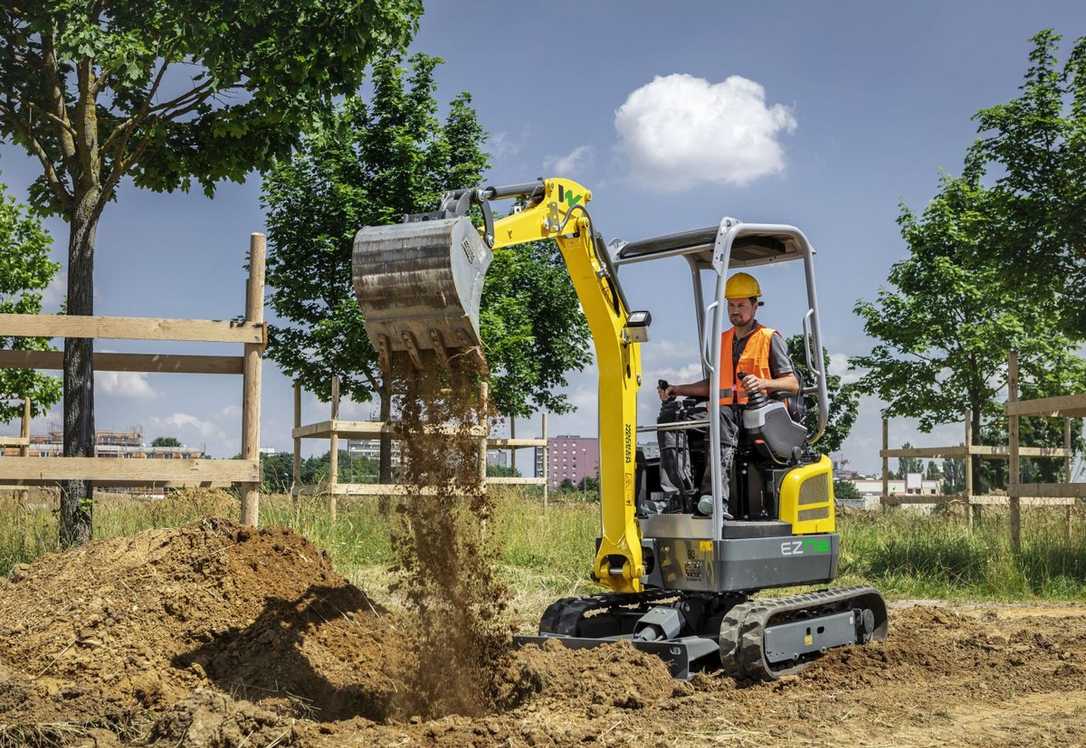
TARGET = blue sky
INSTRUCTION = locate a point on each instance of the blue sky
(860, 106)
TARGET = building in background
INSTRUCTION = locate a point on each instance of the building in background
(871, 489)
(571, 458)
(107, 444)
(497, 457)
(370, 449)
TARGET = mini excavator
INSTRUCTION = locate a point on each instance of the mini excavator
(682, 576)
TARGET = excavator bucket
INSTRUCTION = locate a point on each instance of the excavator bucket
(419, 285)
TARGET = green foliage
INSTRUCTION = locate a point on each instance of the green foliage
(953, 476)
(844, 399)
(166, 441)
(906, 465)
(1035, 147)
(502, 471)
(25, 272)
(845, 490)
(277, 470)
(170, 91)
(533, 329)
(369, 164)
(947, 321)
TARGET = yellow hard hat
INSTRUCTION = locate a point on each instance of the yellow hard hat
(742, 286)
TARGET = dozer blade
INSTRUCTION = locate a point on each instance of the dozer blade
(419, 286)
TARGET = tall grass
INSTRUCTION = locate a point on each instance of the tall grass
(903, 553)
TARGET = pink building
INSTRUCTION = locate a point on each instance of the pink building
(572, 458)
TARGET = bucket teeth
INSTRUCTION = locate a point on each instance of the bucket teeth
(412, 347)
(439, 348)
(419, 286)
(384, 355)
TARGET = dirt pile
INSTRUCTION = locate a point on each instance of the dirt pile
(445, 564)
(143, 621)
(214, 634)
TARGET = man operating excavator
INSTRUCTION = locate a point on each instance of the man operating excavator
(754, 359)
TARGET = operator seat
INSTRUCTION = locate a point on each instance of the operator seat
(768, 422)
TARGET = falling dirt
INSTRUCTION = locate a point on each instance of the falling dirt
(215, 635)
(445, 565)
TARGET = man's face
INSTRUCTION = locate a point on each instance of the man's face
(741, 311)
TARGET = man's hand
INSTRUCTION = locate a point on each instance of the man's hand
(665, 393)
(755, 385)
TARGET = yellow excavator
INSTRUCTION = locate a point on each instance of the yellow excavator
(682, 572)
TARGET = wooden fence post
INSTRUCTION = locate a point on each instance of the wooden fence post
(546, 456)
(1067, 471)
(972, 510)
(333, 451)
(24, 433)
(512, 450)
(484, 396)
(296, 462)
(1014, 475)
(883, 501)
(250, 399)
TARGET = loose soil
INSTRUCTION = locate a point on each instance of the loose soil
(216, 635)
(445, 565)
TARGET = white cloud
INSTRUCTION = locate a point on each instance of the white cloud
(187, 423)
(569, 164)
(56, 293)
(124, 384)
(231, 411)
(679, 131)
(839, 367)
(503, 145)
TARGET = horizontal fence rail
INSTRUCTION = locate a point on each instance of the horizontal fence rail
(102, 471)
(336, 428)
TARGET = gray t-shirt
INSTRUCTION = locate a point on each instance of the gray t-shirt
(779, 362)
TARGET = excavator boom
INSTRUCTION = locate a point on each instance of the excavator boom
(419, 285)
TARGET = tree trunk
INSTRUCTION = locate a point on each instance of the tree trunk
(76, 496)
(384, 469)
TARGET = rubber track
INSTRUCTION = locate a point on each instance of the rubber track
(742, 632)
(564, 615)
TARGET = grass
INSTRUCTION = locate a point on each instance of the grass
(903, 553)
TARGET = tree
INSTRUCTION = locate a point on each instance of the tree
(589, 484)
(369, 164)
(906, 465)
(953, 477)
(165, 92)
(944, 326)
(844, 399)
(166, 441)
(933, 472)
(25, 272)
(276, 472)
(1035, 144)
(502, 471)
(845, 490)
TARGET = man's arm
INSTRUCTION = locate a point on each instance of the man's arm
(697, 389)
(787, 383)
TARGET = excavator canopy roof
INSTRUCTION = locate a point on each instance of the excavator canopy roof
(748, 250)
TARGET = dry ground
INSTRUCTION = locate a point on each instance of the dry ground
(212, 635)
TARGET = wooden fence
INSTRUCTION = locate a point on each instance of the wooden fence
(1067, 407)
(1018, 494)
(110, 471)
(336, 428)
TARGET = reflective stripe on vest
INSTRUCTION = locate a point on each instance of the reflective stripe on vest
(753, 360)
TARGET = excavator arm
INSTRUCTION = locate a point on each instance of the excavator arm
(419, 284)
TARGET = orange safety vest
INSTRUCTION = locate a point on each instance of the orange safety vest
(753, 360)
